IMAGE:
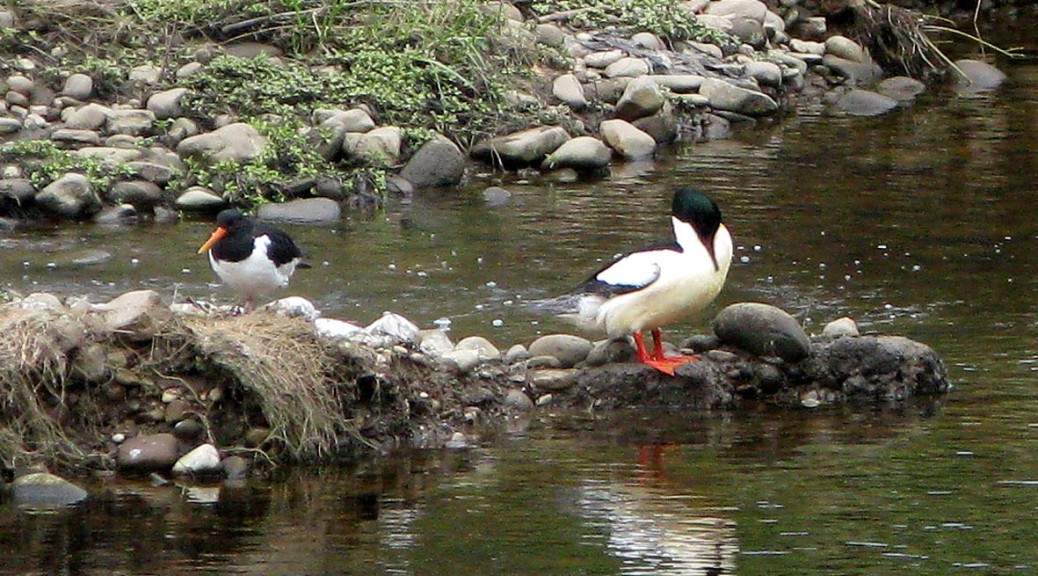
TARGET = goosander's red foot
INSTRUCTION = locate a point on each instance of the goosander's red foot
(670, 363)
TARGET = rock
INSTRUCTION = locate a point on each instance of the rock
(148, 453)
(553, 380)
(583, 153)
(138, 315)
(550, 35)
(188, 430)
(78, 86)
(881, 367)
(463, 361)
(395, 328)
(627, 67)
(523, 148)
(812, 28)
(662, 126)
(10, 125)
(518, 400)
(647, 40)
(90, 363)
(189, 69)
(352, 120)
(865, 103)
(293, 307)
(133, 122)
(203, 460)
(763, 330)
(570, 350)
(439, 162)
(975, 76)
(45, 489)
(21, 84)
(751, 9)
(840, 327)
(641, 98)
(750, 31)
(609, 352)
(843, 47)
(379, 147)
(199, 199)
(495, 196)
(16, 99)
(302, 211)
(331, 329)
(71, 196)
(570, 91)
(238, 142)
(119, 215)
(435, 343)
(110, 156)
(142, 194)
(604, 58)
(181, 129)
(901, 88)
(166, 104)
(608, 90)
(19, 190)
(725, 96)
(807, 47)
(145, 74)
(855, 73)
(235, 468)
(516, 353)
(626, 140)
(486, 349)
(157, 172)
(765, 73)
(679, 83)
(76, 137)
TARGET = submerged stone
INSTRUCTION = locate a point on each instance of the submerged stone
(44, 489)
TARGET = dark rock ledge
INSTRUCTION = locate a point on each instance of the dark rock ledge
(141, 386)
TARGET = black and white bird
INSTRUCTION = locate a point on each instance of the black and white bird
(252, 258)
(653, 287)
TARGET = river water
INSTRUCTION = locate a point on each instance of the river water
(918, 223)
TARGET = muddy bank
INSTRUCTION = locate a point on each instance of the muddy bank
(135, 384)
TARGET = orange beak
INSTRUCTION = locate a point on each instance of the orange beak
(217, 235)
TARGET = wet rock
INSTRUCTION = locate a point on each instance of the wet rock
(570, 91)
(395, 329)
(627, 67)
(167, 104)
(524, 148)
(901, 88)
(235, 468)
(200, 199)
(609, 352)
(858, 102)
(518, 400)
(293, 307)
(841, 327)
(44, 489)
(485, 348)
(142, 194)
(435, 343)
(148, 453)
(203, 460)
(89, 117)
(568, 349)
(302, 211)
(458, 441)
(188, 430)
(583, 153)
(70, 196)
(554, 380)
(238, 142)
(379, 147)
(975, 76)
(725, 96)
(881, 367)
(78, 86)
(176, 410)
(538, 362)
(138, 315)
(439, 162)
(626, 140)
(81, 258)
(763, 330)
(641, 98)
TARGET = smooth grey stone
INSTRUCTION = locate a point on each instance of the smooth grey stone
(841, 327)
(70, 196)
(78, 86)
(627, 140)
(202, 460)
(865, 103)
(901, 88)
(438, 162)
(525, 147)
(843, 47)
(570, 350)
(485, 348)
(975, 76)
(642, 97)
(167, 104)
(200, 199)
(553, 379)
(45, 489)
(583, 153)
(148, 453)
(302, 211)
(729, 97)
(763, 330)
(569, 90)
(140, 193)
(237, 142)
(518, 399)
(627, 67)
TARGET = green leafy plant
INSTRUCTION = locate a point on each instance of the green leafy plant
(44, 162)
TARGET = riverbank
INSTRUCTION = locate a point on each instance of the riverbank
(138, 385)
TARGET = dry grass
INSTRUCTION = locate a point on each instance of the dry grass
(281, 366)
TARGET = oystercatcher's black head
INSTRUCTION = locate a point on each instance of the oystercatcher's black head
(226, 222)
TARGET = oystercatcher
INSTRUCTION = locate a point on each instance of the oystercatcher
(252, 258)
(656, 286)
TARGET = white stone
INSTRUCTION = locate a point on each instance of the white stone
(204, 459)
(332, 329)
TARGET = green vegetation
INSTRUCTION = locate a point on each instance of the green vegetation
(45, 162)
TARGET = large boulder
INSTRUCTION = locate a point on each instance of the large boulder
(763, 330)
(238, 142)
(439, 162)
(521, 148)
(71, 196)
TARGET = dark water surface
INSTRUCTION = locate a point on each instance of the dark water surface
(920, 223)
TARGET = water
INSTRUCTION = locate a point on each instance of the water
(920, 223)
